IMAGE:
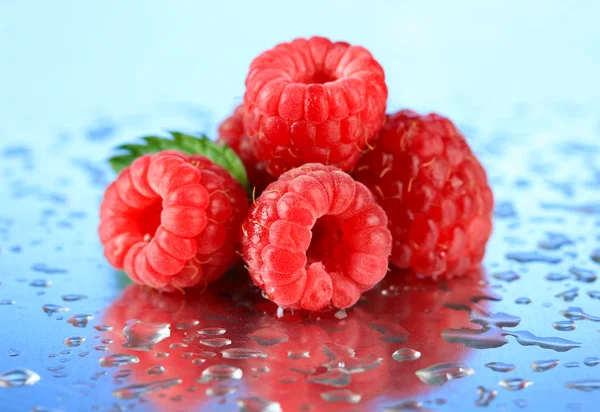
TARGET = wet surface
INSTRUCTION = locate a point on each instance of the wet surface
(521, 334)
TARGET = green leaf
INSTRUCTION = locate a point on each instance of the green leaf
(220, 154)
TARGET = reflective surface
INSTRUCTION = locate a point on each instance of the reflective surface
(521, 334)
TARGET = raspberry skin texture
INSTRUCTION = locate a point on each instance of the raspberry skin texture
(171, 220)
(434, 191)
(315, 239)
(313, 101)
(231, 132)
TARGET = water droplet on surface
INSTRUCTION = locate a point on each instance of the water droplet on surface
(187, 324)
(178, 345)
(583, 275)
(139, 390)
(13, 352)
(530, 257)
(74, 341)
(118, 359)
(7, 302)
(18, 377)
(161, 355)
(595, 256)
(212, 331)
(122, 374)
(288, 379)
(586, 385)
(221, 373)
(221, 390)
(408, 406)
(391, 331)
(73, 297)
(568, 295)
(256, 404)
(483, 338)
(544, 365)
(144, 335)
(336, 377)
(242, 353)
(406, 354)
(40, 283)
(198, 361)
(555, 241)
(155, 370)
(526, 338)
(556, 277)
(591, 361)
(575, 313)
(300, 354)
(341, 395)
(80, 321)
(268, 337)
(572, 365)
(500, 366)
(486, 396)
(594, 294)
(508, 276)
(564, 325)
(515, 384)
(103, 328)
(441, 373)
(215, 342)
(50, 309)
(523, 301)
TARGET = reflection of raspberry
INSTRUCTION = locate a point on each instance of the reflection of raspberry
(170, 220)
(435, 193)
(313, 101)
(316, 238)
(231, 132)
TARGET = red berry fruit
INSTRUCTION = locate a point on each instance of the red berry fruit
(316, 238)
(171, 220)
(435, 192)
(231, 132)
(313, 100)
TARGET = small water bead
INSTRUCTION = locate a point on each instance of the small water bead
(221, 372)
(101, 348)
(212, 331)
(187, 324)
(107, 341)
(591, 361)
(118, 359)
(564, 325)
(268, 337)
(523, 301)
(341, 395)
(568, 295)
(515, 384)
(441, 373)
(288, 379)
(527, 338)
(198, 361)
(83, 354)
(40, 283)
(215, 342)
(74, 341)
(137, 391)
(7, 302)
(575, 313)
(583, 275)
(336, 377)
(256, 404)
(103, 328)
(304, 371)
(300, 354)
(50, 309)
(508, 276)
(555, 241)
(556, 277)
(144, 335)
(572, 365)
(73, 297)
(122, 374)
(406, 355)
(155, 370)
(80, 320)
(221, 390)
(187, 355)
(16, 378)
(500, 366)
(586, 385)
(178, 345)
(486, 396)
(161, 355)
(13, 352)
(206, 354)
(531, 257)
(56, 368)
(544, 365)
(594, 294)
(243, 353)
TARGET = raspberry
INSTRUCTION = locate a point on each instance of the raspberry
(313, 101)
(435, 193)
(231, 132)
(316, 238)
(170, 220)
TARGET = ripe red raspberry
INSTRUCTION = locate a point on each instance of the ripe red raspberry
(313, 101)
(170, 220)
(435, 193)
(231, 132)
(316, 238)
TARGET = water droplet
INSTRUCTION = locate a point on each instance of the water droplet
(441, 373)
(118, 359)
(73, 297)
(178, 345)
(7, 302)
(595, 256)
(212, 331)
(107, 341)
(586, 385)
(136, 391)
(56, 368)
(243, 353)
(526, 338)
(198, 361)
(555, 241)
(483, 338)
(575, 313)
(80, 321)
(304, 371)
(515, 384)
(572, 365)
(486, 396)
(391, 331)
(594, 294)
(406, 354)
(122, 374)
(500, 366)
(583, 275)
(508, 276)
(261, 369)
(221, 373)
(300, 354)
(530, 257)
(161, 355)
(103, 328)
(268, 337)
(564, 325)
(13, 352)
(523, 301)
(336, 377)
(18, 377)
(256, 404)
(341, 395)
(544, 365)
(50, 309)
(556, 277)
(74, 341)
(155, 370)
(592, 361)
(187, 324)
(83, 354)
(568, 295)
(407, 406)
(215, 342)
(40, 283)
(144, 335)
(221, 390)
(101, 348)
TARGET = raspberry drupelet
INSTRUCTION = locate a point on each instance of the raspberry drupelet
(171, 220)
(434, 191)
(316, 239)
(313, 100)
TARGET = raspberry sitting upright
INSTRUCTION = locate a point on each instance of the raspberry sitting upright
(171, 220)
(435, 192)
(231, 132)
(316, 238)
(313, 100)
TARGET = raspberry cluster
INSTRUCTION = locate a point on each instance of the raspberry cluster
(339, 188)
